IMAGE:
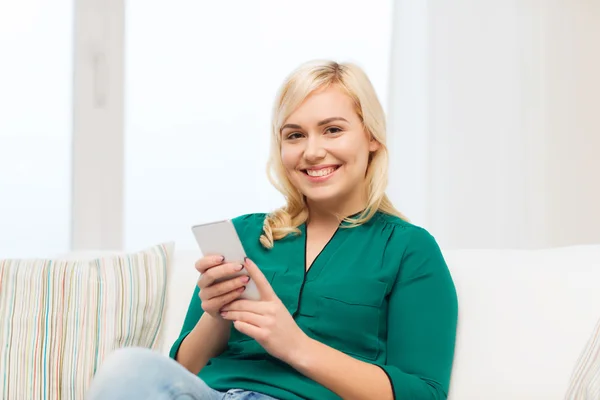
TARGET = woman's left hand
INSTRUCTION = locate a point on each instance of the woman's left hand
(267, 320)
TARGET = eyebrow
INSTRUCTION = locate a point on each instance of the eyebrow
(320, 123)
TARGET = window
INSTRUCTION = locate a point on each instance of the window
(35, 127)
(201, 78)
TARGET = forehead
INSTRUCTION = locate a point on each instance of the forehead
(322, 104)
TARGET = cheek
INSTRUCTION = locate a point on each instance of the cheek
(354, 153)
(289, 157)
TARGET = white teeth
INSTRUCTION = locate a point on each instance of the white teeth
(320, 172)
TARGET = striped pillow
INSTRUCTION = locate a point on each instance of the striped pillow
(585, 381)
(59, 318)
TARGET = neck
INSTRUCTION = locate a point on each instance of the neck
(332, 214)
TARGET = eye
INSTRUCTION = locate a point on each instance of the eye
(293, 135)
(334, 130)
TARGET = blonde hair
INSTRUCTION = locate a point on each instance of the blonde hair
(302, 82)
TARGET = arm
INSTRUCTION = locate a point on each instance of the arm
(205, 335)
(202, 337)
(422, 319)
(346, 376)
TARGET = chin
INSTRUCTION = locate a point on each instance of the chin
(323, 195)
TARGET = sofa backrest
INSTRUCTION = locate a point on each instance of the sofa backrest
(524, 317)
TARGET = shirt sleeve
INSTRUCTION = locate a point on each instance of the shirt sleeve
(422, 321)
(192, 317)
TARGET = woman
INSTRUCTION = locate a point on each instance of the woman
(356, 302)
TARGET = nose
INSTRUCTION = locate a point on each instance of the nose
(314, 150)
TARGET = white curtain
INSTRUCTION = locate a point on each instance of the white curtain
(494, 120)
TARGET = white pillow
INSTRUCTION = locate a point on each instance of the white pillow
(585, 381)
(59, 318)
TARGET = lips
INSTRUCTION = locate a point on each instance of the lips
(320, 172)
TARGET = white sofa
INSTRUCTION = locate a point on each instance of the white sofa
(525, 317)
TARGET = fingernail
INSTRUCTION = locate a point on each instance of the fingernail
(239, 267)
(245, 259)
(222, 258)
(224, 313)
(245, 279)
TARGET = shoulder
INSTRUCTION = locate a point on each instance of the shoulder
(403, 227)
(405, 231)
(415, 250)
(249, 222)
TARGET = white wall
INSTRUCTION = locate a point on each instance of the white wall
(508, 146)
(572, 78)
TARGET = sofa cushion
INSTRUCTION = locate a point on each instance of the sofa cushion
(60, 317)
(524, 317)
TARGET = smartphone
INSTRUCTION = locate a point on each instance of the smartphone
(221, 238)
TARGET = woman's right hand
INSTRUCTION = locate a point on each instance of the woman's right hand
(215, 295)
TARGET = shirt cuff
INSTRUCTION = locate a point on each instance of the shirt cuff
(175, 347)
(406, 386)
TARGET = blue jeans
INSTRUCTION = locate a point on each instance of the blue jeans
(136, 373)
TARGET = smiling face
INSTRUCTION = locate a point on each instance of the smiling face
(325, 151)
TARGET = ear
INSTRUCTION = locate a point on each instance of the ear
(374, 145)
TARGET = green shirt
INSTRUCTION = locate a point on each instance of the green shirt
(380, 292)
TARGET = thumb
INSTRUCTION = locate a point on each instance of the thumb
(262, 284)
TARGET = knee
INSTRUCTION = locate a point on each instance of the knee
(129, 359)
(126, 367)
(132, 356)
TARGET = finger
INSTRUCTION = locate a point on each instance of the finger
(216, 303)
(224, 287)
(208, 262)
(217, 273)
(246, 317)
(262, 284)
(229, 297)
(253, 306)
(253, 331)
